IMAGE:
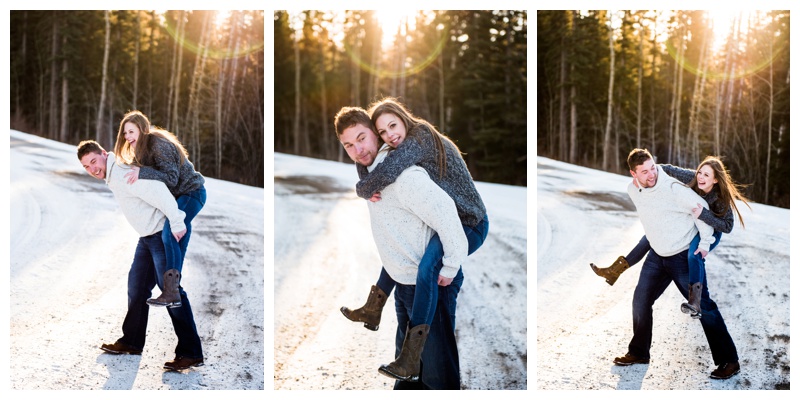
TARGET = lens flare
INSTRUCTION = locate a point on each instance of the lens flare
(715, 71)
(215, 50)
(386, 73)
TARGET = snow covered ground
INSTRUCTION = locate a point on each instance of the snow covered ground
(325, 258)
(70, 251)
(584, 216)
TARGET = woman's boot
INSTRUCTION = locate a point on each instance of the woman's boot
(613, 272)
(370, 313)
(406, 366)
(693, 306)
(170, 296)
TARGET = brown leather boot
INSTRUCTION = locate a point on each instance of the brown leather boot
(693, 306)
(370, 313)
(170, 296)
(406, 366)
(613, 272)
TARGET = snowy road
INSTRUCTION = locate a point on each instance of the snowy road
(585, 216)
(325, 258)
(71, 249)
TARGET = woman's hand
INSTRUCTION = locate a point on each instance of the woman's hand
(179, 235)
(133, 175)
(375, 197)
(445, 281)
(697, 210)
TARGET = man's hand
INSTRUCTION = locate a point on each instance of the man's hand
(133, 175)
(375, 197)
(445, 281)
(702, 253)
(696, 211)
(179, 235)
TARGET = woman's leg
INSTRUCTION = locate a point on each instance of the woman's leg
(385, 282)
(426, 292)
(175, 251)
(697, 265)
(639, 251)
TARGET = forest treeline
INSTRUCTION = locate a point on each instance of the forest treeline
(671, 91)
(198, 74)
(463, 71)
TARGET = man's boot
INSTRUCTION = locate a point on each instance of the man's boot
(170, 296)
(693, 306)
(406, 366)
(370, 313)
(613, 272)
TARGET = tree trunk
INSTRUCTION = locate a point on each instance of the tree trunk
(101, 108)
(52, 128)
(297, 94)
(639, 87)
(769, 120)
(607, 134)
(562, 101)
(63, 134)
(192, 111)
(327, 144)
(174, 126)
(697, 99)
(136, 60)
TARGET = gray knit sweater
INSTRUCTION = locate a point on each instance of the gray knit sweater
(419, 149)
(715, 205)
(165, 166)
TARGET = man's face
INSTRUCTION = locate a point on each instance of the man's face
(646, 174)
(361, 144)
(95, 164)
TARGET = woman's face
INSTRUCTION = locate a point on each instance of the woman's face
(391, 129)
(131, 133)
(705, 178)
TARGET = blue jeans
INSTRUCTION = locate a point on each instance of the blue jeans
(657, 273)
(428, 273)
(148, 257)
(439, 363)
(697, 265)
(190, 203)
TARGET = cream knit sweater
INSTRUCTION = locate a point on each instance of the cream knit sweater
(146, 203)
(665, 211)
(410, 211)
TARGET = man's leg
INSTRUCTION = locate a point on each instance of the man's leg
(182, 318)
(440, 361)
(653, 280)
(723, 350)
(141, 280)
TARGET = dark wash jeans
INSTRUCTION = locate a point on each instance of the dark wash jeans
(656, 275)
(425, 297)
(440, 368)
(149, 254)
(190, 203)
(697, 265)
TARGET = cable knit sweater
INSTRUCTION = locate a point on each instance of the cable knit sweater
(145, 203)
(665, 211)
(419, 149)
(410, 211)
(166, 167)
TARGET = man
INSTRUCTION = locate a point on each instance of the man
(410, 211)
(146, 205)
(665, 207)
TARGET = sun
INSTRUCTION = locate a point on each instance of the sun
(721, 20)
(391, 20)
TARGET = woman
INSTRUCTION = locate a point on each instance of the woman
(713, 183)
(158, 154)
(417, 142)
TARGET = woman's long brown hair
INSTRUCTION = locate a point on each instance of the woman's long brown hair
(729, 191)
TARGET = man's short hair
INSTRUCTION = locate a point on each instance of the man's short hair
(89, 146)
(349, 117)
(637, 157)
